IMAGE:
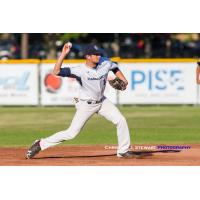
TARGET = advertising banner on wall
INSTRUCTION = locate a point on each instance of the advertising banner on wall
(57, 90)
(159, 83)
(149, 83)
(18, 84)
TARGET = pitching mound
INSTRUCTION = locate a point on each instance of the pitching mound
(96, 156)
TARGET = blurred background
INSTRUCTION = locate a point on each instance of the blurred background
(124, 45)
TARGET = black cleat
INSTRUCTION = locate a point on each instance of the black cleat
(132, 154)
(33, 150)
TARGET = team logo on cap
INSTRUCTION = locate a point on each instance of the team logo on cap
(96, 47)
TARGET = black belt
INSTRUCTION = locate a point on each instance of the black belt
(92, 101)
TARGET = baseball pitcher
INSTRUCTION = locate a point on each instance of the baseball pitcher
(92, 78)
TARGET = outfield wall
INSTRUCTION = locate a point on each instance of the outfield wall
(151, 81)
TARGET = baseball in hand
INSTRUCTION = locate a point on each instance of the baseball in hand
(69, 44)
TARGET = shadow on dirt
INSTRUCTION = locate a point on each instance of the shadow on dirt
(139, 154)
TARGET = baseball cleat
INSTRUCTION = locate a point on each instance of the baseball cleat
(33, 150)
(132, 154)
(128, 154)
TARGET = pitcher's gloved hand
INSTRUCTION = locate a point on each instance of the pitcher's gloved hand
(118, 84)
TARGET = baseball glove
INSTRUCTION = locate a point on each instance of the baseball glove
(117, 84)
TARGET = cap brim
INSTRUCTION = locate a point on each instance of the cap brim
(93, 53)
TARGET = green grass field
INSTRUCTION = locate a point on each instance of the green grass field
(20, 126)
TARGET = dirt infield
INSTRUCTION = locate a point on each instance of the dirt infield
(96, 156)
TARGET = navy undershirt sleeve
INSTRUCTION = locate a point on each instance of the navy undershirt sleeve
(65, 72)
(115, 70)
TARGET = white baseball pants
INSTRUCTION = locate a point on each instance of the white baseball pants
(83, 113)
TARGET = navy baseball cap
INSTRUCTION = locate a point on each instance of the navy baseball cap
(91, 50)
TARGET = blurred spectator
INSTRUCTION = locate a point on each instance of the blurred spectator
(158, 45)
(8, 47)
(185, 45)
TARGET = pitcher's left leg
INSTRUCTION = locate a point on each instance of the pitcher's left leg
(111, 113)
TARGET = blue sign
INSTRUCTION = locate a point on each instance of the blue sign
(15, 82)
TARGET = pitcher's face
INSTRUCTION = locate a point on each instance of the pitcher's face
(93, 58)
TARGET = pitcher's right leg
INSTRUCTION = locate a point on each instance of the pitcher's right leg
(80, 118)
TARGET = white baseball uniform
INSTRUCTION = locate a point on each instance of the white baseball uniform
(91, 100)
